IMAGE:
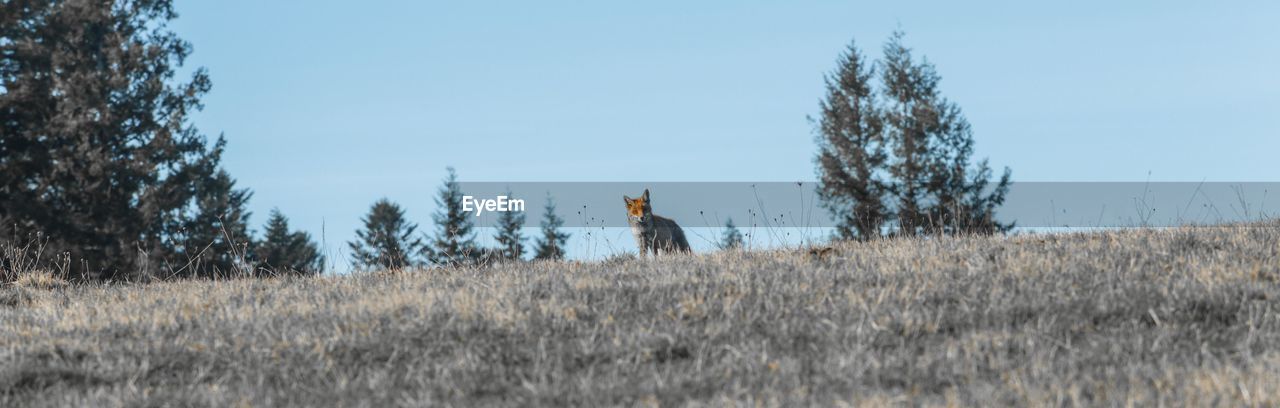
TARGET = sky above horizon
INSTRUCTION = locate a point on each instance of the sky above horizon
(328, 106)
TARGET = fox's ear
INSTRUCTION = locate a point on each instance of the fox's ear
(646, 195)
(626, 199)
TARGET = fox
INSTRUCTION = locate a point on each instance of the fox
(653, 233)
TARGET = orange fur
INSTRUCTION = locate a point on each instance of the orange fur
(653, 234)
(635, 207)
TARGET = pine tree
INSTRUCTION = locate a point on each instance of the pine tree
(904, 156)
(387, 240)
(510, 238)
(937, 190)
(732, 238)
(551, 244)
(98, 153)
(215, 240)
(851, 150)
(282, 251)
(964, 201)
(911, 124)
(454, 242)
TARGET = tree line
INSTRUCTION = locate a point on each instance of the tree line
(388, 240)
(101, 165)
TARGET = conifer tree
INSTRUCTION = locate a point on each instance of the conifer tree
(97, 151)
(282, 251)
(911, 124)
(510, 237)
(551, 245)
(215, 241)
(454, 242)
(387, 240)
(901, 154)
(732, 238)
(851, 150)
(936, 189)
(964, 198)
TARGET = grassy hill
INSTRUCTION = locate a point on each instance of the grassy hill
(1173, 317)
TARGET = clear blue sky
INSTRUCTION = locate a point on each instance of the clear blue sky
(329, 105)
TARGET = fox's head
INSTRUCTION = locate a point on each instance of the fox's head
(639, 209)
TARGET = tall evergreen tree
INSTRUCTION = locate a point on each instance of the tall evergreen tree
(911, 125)
(551, 245)
(732, 238)
(904, 157)
(454, 242)
(98, 153)
(510, 237)
(387, 241)
(282, 251)
(851, 150)
(936, 188)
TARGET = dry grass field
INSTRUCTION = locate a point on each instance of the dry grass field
(1138, 317)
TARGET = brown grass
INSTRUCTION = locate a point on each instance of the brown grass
(40, 279)
(1145, 317)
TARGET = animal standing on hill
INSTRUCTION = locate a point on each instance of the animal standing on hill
(653, 233)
